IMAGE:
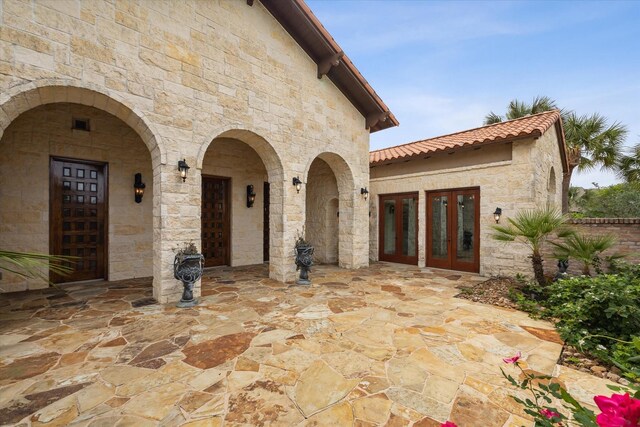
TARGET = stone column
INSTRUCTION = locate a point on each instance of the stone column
(178, 223)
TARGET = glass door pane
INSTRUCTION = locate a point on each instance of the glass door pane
(439, 227)
(409, 227)
(466, 218)
(389, 218)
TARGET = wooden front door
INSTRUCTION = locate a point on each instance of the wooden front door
(399, 228)
(78, 217)
(453, 229)
(216, 229)
(265, 220)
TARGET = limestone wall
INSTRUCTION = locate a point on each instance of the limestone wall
(322, 207)
(25, 149)
(233, 159)
(508, 176)
(181, 74)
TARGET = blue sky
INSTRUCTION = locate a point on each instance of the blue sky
(442, 65)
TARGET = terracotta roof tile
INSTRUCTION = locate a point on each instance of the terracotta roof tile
(534, 125)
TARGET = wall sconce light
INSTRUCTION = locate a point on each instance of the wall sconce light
(461, 204)
(251, 196)
(364, 192)
(183, 167)
(497, 214)
(138, 188)
(297, 183)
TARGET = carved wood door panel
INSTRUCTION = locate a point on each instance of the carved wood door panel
(78, 217)
(216, 230)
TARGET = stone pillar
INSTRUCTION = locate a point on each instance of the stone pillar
(178, 223)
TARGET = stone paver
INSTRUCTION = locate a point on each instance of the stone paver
(385, 345)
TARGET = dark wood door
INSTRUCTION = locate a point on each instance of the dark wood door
(453, 229)
(265, 220)
(398, 231)
(78, 217)
(216, 230)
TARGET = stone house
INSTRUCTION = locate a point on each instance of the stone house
(99, 97)
(433, 201)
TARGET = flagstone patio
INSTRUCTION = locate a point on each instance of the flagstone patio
(386, 345)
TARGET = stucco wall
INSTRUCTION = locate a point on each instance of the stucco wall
(25, 149)
(181, 74)
(322, 206)
(507, 175)
(236, 160)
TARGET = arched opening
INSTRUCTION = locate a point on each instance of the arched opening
(329, 209)
(332, 230)
(67, 188)
(241, 215)
(552, 188)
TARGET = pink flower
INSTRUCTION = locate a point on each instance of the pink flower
(548, 413)
(619, 410)
(513, 359)
(448, 424)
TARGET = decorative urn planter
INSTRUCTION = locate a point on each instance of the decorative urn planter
(304, 260)
(187, 267)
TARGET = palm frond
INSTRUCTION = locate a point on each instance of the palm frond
(35, 265)
(492, 118)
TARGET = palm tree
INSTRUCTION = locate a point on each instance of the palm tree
(534, 227)
(518, 109)
(584, 248)
(629, 165)
(590, 142)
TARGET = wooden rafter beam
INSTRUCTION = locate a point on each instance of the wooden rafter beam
(326, 64)
(375, 118)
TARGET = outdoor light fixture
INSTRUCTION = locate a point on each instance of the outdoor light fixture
(297, 183)
(497, 214)
(183, 167)
(364, 192)
(138, 188)
(251, 196)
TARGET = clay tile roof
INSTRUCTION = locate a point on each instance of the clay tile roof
(530, 126)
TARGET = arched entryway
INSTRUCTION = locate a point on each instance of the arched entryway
(329, 209)
(68, 163)
(242, 185)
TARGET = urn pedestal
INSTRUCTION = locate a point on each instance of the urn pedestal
(304, 261)
(188, 269)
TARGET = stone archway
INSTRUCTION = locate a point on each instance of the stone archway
(24, 97)
(121, 148)
(346, 195)
(229, 135)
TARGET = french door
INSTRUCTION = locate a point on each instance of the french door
(453, 229)
(216, 230)
(78, 217)
(399, 228)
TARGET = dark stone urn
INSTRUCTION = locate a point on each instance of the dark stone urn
(304, 261)
(188, 269)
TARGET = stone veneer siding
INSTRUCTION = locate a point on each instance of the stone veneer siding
(512, 176)
(626, 231)
(181, 74)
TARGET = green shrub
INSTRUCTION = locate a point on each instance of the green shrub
(601, 315)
